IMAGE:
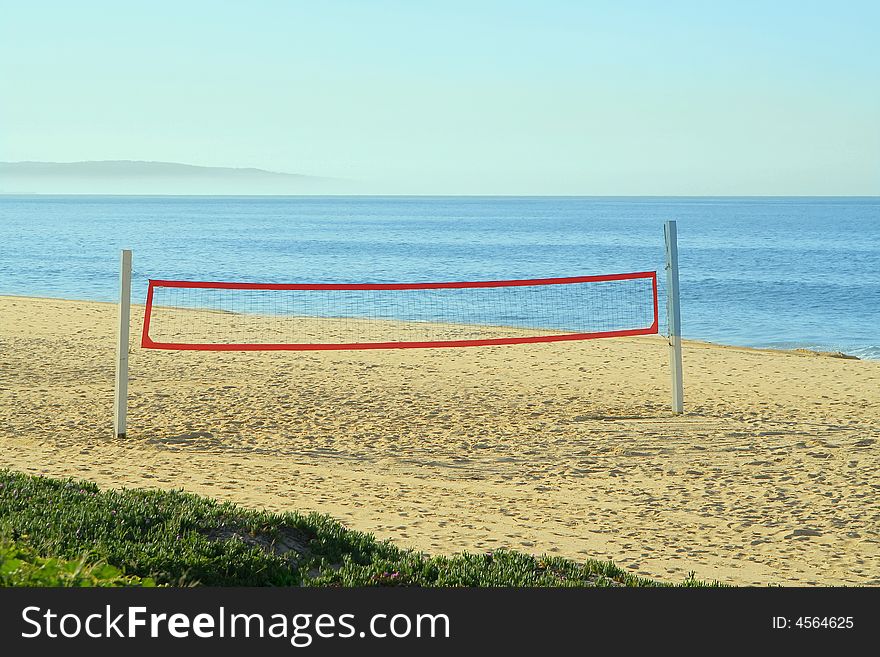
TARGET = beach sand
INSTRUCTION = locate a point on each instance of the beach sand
(772, 476)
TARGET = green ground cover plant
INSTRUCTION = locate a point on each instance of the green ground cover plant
(71, 533)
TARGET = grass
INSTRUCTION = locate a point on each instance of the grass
(70, 533)
(19, 566)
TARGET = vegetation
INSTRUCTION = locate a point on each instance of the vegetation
(19, 566)
(70, 533)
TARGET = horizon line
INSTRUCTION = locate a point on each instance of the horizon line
(483, 195)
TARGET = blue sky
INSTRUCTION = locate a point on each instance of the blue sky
(746, 97)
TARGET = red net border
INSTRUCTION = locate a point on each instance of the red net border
(149, 343)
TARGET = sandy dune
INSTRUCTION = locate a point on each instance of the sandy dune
(771, 476)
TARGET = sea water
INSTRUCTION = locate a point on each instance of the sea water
(764, 272)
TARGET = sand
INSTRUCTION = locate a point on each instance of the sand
(772, 475)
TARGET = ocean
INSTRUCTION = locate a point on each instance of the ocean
(782, 273)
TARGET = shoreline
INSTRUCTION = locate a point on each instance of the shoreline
(685, 341)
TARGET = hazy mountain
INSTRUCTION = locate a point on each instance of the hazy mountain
(137, 177)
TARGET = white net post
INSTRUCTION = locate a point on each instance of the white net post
(673, 314)
(121, 398)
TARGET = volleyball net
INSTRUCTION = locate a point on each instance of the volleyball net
(217, 316)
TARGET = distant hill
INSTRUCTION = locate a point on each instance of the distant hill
(138, 177)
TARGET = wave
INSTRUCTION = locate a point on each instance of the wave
(863, 352)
